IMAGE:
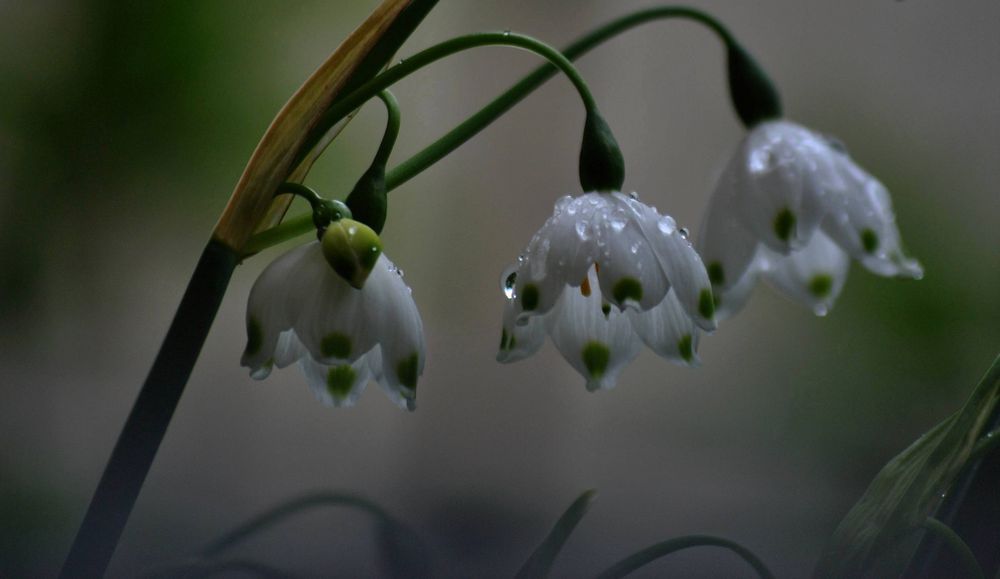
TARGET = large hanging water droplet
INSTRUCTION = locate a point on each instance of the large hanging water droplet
(508, 279)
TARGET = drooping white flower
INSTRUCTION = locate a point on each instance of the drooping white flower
(603, 274)
(300, 309)
(792, 207)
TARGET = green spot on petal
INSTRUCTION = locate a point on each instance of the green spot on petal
(627, 288)
(715, 273)
(784, 224)
(686, 348)
(406, 369)
(339, 380)
(820, 285)
(606, 309)
(529, 297)
(869, 240)
(595, 358)
(336, 345)
(255, 337)
(706, 304)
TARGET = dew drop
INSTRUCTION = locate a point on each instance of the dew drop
(821, 310)
(399, 271)
(506, 32)
(618, 223)
(633, 196)
(582, 231)
(666, 225)
(684, 232)
(634, 248)
(508, 279)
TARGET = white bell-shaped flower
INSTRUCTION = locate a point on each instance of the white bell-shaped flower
(792, 207)
(604, 274)
(300, 309)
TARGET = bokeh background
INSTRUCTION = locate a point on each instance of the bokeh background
(125, 125)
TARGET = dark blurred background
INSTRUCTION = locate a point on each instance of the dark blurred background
(125, 125)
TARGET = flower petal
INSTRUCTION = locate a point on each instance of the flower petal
(393, 317)
(726, 246)
(267, 317)
(338, 384)
(813, 276)
(861, 220)
(629, 273)
(597, 341)
(775, 171)
(330, 320)
(681, 264)
(668, 330)
(519, 340)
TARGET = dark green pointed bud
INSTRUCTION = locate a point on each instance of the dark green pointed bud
(602, 167)
(754, 96)
(352, 249)
(368, 201)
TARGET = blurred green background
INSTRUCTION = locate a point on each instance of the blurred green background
(125, 125)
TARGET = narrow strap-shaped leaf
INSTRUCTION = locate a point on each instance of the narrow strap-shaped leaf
(646, 556)
(540, 563)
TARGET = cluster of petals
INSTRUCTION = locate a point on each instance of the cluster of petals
(603, 275)
(793, 208)
(300, 309)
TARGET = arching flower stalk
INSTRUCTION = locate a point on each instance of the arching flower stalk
(604, 274)
(793, 207)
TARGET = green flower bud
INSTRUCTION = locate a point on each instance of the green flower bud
(352, 249)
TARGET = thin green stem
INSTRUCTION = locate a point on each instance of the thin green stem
(295, 226)
(515, 94)
(300, 190)
(391, 128)
(285, 510)
(654, 552)
(962, 551)
(359, 96)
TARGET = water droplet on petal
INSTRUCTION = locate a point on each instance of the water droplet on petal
(582, 230)
(399, 271)
(618, 223)
(666, 225)
(507, 281)
(634, 248)
(684, 232)
(633, 196)
(821, 310)
(506, 32)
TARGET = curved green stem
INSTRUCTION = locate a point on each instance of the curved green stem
(359, 96)
(300, 190)
(958, 547)
(654, 552)
(515, 94)
(285, 510)
(469, 128)
(391, 128)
